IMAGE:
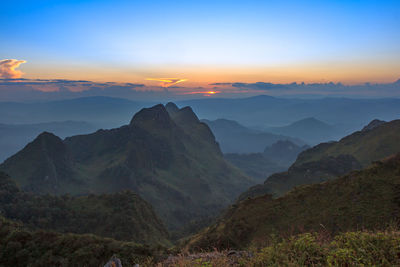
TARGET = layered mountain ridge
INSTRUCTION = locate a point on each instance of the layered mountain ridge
(326, 161)
(165, 154)
(236, 138)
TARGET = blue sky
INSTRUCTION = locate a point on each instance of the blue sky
(204, 41)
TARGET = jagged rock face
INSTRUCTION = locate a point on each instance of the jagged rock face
(190, 123)
(172, 161)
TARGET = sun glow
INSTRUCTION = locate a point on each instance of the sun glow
(204, 93)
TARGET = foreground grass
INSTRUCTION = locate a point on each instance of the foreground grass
(310, 249)
(20, 247)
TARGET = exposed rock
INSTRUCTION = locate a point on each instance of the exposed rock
(113, 262)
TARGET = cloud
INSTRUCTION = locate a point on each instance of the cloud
(8, 68)
(264, 86)
(220, 84)
(167, 82)
(20, 89)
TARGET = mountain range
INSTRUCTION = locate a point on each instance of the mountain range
(329, 160)
(165, 155)
(275, 158)
(98, 110)
(236, 138)
(164, 172)
(267, 111)
(310, 130)
(346, 115)
(283, 152)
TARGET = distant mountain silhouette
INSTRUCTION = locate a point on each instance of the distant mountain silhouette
(255, 165)
(345, 114)
(98, 110)
(311, 130)
(275, 158)
(283, 152)
(236, 138)
(171, 160)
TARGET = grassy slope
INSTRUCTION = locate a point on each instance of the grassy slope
(367, 199)
(361, 248)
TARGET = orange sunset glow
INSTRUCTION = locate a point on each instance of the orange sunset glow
(167, 82)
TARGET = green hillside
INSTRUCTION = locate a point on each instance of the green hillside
(122, 216)
(170, 160)
(366, 146)
(329, 160)
(366, 199)
(22, 247)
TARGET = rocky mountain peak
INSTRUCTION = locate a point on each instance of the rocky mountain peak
(156, 115)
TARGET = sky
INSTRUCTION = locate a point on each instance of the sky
(168, 44)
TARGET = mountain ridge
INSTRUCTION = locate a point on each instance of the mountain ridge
(166, 160)
(365, 199)
(326, 161)
(236, 138)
